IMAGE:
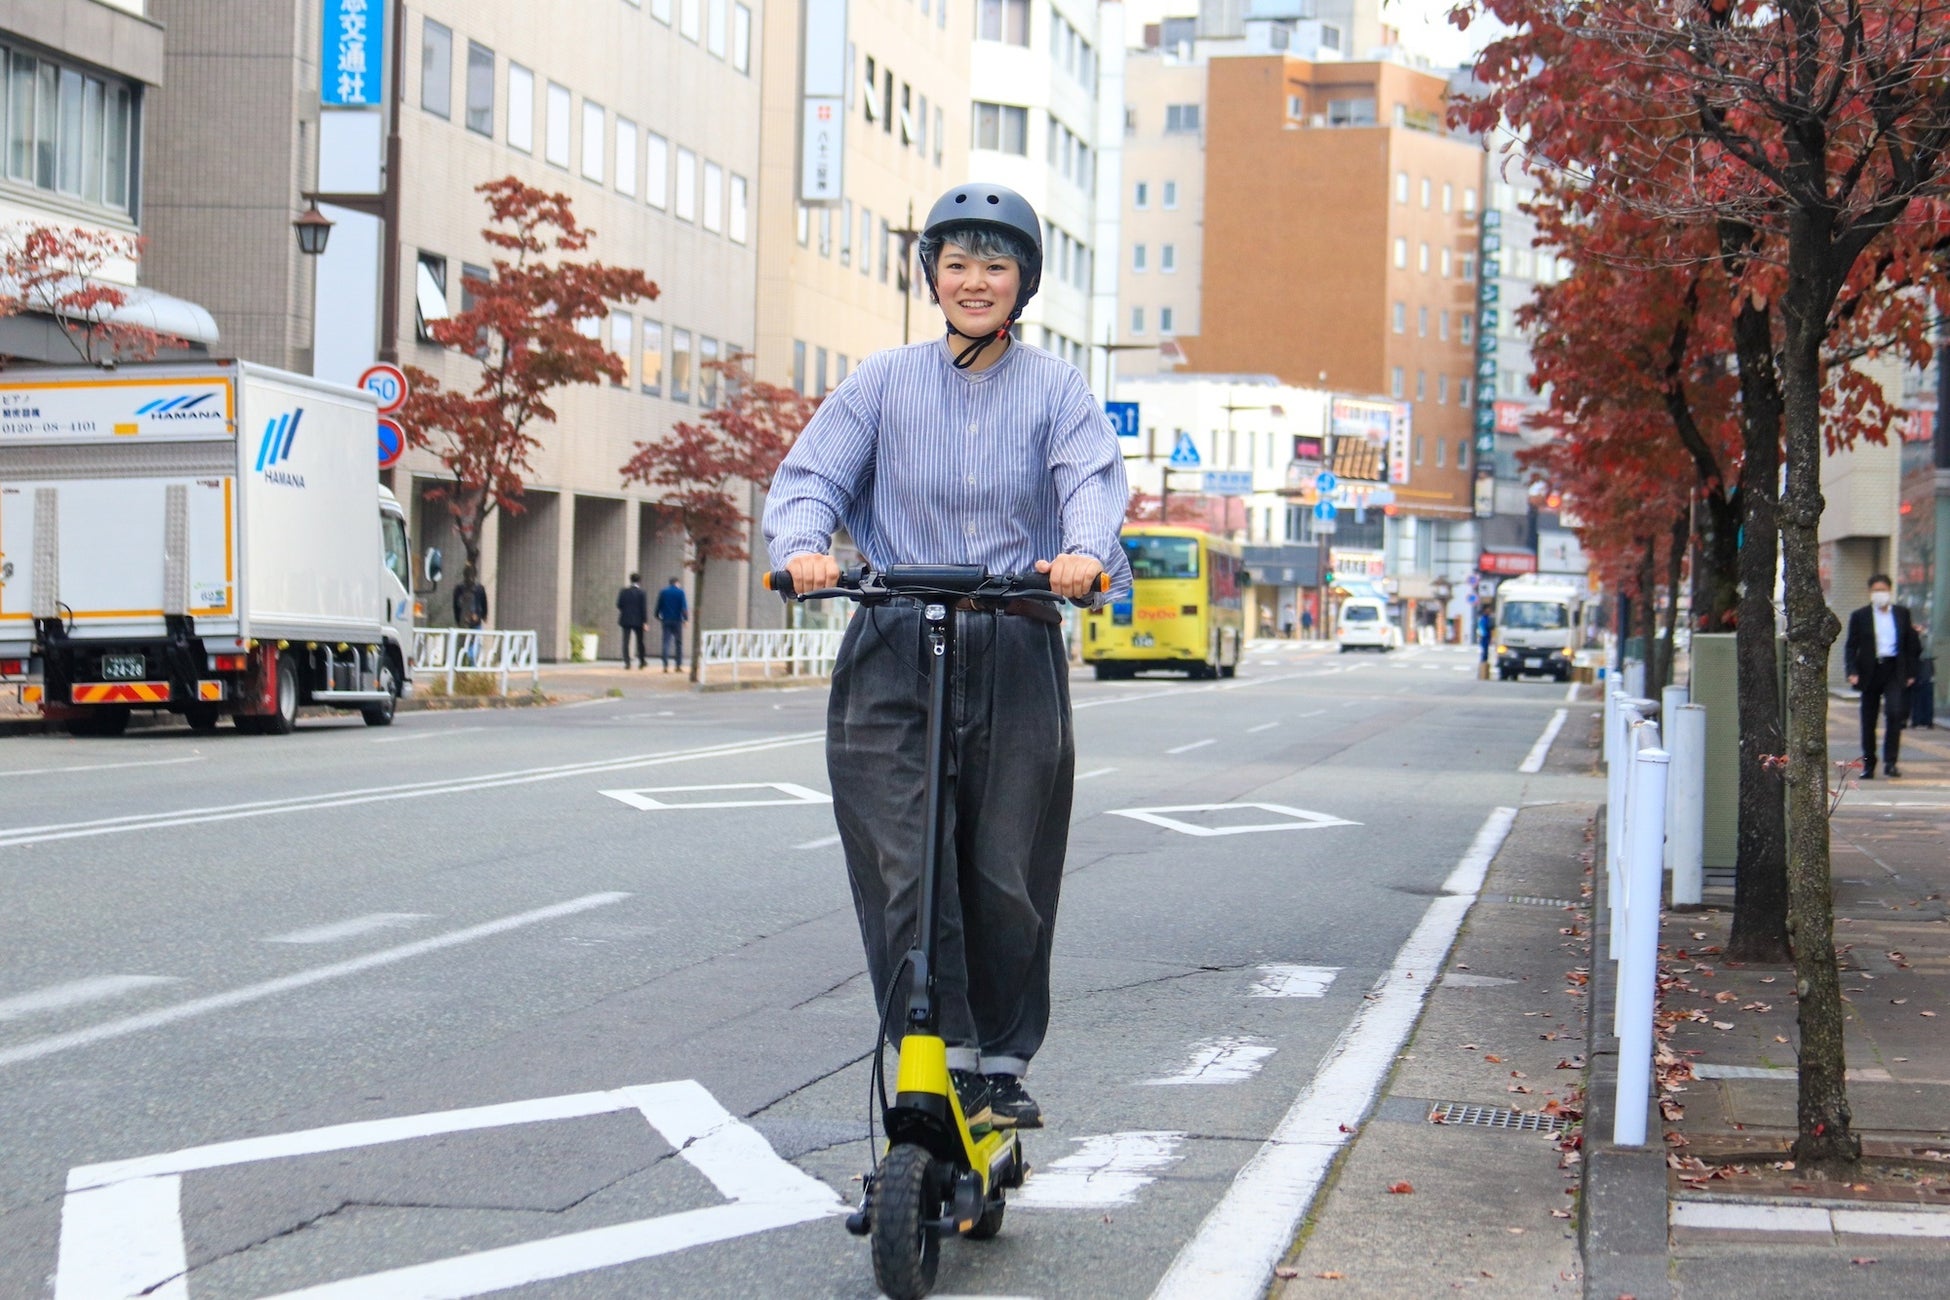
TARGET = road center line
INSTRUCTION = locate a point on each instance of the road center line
(101, 1033)
(1232, 1255)
(348, 929)
(1196, 744)
(1534, 761)
(383, 794)
(103, 767)
(1264, 726)
(424, 734)
(59, 996)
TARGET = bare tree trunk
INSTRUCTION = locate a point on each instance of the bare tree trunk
(1822, 1109)
(1716, 570)
(1647, 615)
(1681, 533)
(697, 616)
(1760, 895)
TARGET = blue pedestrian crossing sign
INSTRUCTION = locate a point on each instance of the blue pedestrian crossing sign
(1184, 455)
(1123, 418)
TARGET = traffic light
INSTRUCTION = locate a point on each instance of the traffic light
(1327, 578)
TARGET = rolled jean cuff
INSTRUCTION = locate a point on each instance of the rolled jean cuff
(1012, 1065)
(964, 1058)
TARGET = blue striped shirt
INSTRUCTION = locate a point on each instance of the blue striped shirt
(927, 464)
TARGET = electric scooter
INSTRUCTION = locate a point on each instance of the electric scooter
(935, 1176)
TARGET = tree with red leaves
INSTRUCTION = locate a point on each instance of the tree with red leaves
(1186, 509)
(55, 270)
(708, 470)
(526, 329)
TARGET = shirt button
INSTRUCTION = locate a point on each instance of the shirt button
(971, 480)
(970, 530)
(971, 428)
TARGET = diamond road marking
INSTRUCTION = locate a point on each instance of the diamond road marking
(1294, 981)
(1108, 1169)
(646, 800)
(1297, 819)
(122, 1224)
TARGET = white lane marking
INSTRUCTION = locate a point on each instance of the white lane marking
(1298, 819)
(349, 929)
(1264, 726)
(1464, 980)
(647, 801)
(1294, 981)
(1230, 1059)
(1533, 762)
(1094, 773)
(1571, 693)
(823, 842)
(1108, 1170)
(1467, 878)
(1232, 1255)
(1311, 713)
(428, 733)
(74, 993)
(122, 1228)
(102, 767)
(40, 1047)
(382, 794)
(1196, 744)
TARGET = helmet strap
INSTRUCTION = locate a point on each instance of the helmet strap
(970, 354)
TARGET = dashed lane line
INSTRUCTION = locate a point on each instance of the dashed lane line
(59, 997)
(1196, 744)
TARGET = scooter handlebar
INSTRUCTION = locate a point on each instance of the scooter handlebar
(925, 579)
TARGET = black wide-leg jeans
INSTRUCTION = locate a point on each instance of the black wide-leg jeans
(1009, 776)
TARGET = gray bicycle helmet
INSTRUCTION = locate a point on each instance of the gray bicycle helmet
(994, 207)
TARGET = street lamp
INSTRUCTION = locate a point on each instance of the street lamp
(313, 228)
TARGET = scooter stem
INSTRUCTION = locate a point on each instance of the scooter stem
(939, 622)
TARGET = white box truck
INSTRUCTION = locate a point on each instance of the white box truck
(1538, 626)
(206, 538)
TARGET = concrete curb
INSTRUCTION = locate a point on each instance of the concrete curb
(1622, 1225)
(150, 718)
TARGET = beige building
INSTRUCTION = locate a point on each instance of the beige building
(1862, 486)
(644, 112)
(1162, 205)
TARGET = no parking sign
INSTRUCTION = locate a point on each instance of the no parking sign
(392, 442)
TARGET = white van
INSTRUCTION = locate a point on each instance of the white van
(1364, 625)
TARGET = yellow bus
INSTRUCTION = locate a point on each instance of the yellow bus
(1186, 610)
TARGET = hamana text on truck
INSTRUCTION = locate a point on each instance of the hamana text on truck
(207, 538)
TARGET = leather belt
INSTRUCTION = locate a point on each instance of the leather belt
(1036, 611)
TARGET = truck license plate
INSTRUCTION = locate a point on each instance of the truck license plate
(123, 668)
(1533, 663)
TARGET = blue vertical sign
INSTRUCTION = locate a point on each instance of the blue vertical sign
(1123, 418)
(353, 58)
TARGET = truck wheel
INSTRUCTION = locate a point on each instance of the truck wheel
(285, 718)
(381, 715)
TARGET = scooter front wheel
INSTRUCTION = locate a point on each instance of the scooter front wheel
(906, 1208)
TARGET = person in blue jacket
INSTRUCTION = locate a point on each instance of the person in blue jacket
(672, 612)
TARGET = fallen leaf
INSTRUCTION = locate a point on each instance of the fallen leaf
(1332, 1275)
(1518, 1074)
(1726, 995)
(1346, 1129)
(1400, 1189)
(1483, 1272)
(1897, 1002)
(1722, 1024)
(1560, 1214)
(1767, 979)
(1779, 1038)
(1469, 1047)
(1492, 1058)
(1286, 1270)
(1930, 1014)
(1514, 1232)
(1864, 1259)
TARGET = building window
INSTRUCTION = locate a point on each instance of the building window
(1351, 112)
(1462, 391)
(622, 342)
(1426, 193)
(1296, 107)
(866, 240)
(1002, 127)
(1170, 196)
(1422, 259)
(714, 198)
(690, 19)
(805, 223)
(651, 372)
(799, 367)
(660, 10)
(1137, 320)
(626, 138)
(1180, 118)
(1401, 254)
(556, 139)
(1466, 327)
(521, 108)
(1164, 320)
(1468, 269)
(886, 249)
(819, 372)
(1445, 263)
(740, 210)
(436, 69)
(1418, 454)
(741, 38)
(707, 376)
(595, 141)
(716, 33)
(429, 294)
(825, 232)
(1441, 454)
(839, 360)
(1141, 195)
(940, 131)
(1401, 187)
(680, 365)
(1421, 322)
(921, 128)
(1469, 199)
(1441, 389)
(1137, 258)
(1462, 453)
(1442, 326)
(1421, 385)
(846, 233)
(1448, 196)
(656, 171)
(1401, 318)
(686, 207)
(1002, 20)
(67, 131)
(1167, 258)
(1395, 382)
(480, 89)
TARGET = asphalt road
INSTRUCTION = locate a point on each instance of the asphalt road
(569, 1002)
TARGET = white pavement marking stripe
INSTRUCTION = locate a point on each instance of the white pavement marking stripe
(38, 1048)
(1930, 1222)
(1109, 1170)
(646, 800)
(427, 734)
(125, 1239)
(823, 842)
(382, 794)
(1298, 819)
(57, 996)
(1230, 1059)
(1571, 693)
(1264, 726)
(350, 929)
(103, 767)
(1196, 744)
(1474, 864)
(1294, 981)
(1094, 773)
(1533, 762)
(1233, 1253)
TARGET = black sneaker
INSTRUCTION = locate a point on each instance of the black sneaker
(1890, 769)
(1012, 1104)
(972, 1090)
(1868, 771)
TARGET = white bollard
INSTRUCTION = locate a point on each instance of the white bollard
(1686, 803)
(1671, 700)
(1634, 678)
(1638, 973)
(1640, 736)
(1615, 771)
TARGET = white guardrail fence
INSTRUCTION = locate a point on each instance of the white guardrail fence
(1654, 821)
(794, 652)
(449, 651)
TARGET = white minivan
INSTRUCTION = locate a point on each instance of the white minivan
(1364, 625)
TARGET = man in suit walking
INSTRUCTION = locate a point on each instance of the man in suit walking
(633, 612)
(1881, 657)
(672, 611)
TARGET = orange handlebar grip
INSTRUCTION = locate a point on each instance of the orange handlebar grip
(1103, 582)
(768, 580)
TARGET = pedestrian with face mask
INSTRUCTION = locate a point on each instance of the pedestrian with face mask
(1881, 657)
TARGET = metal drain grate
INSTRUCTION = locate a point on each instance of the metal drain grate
(1515, 1121)
(1530, 900)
